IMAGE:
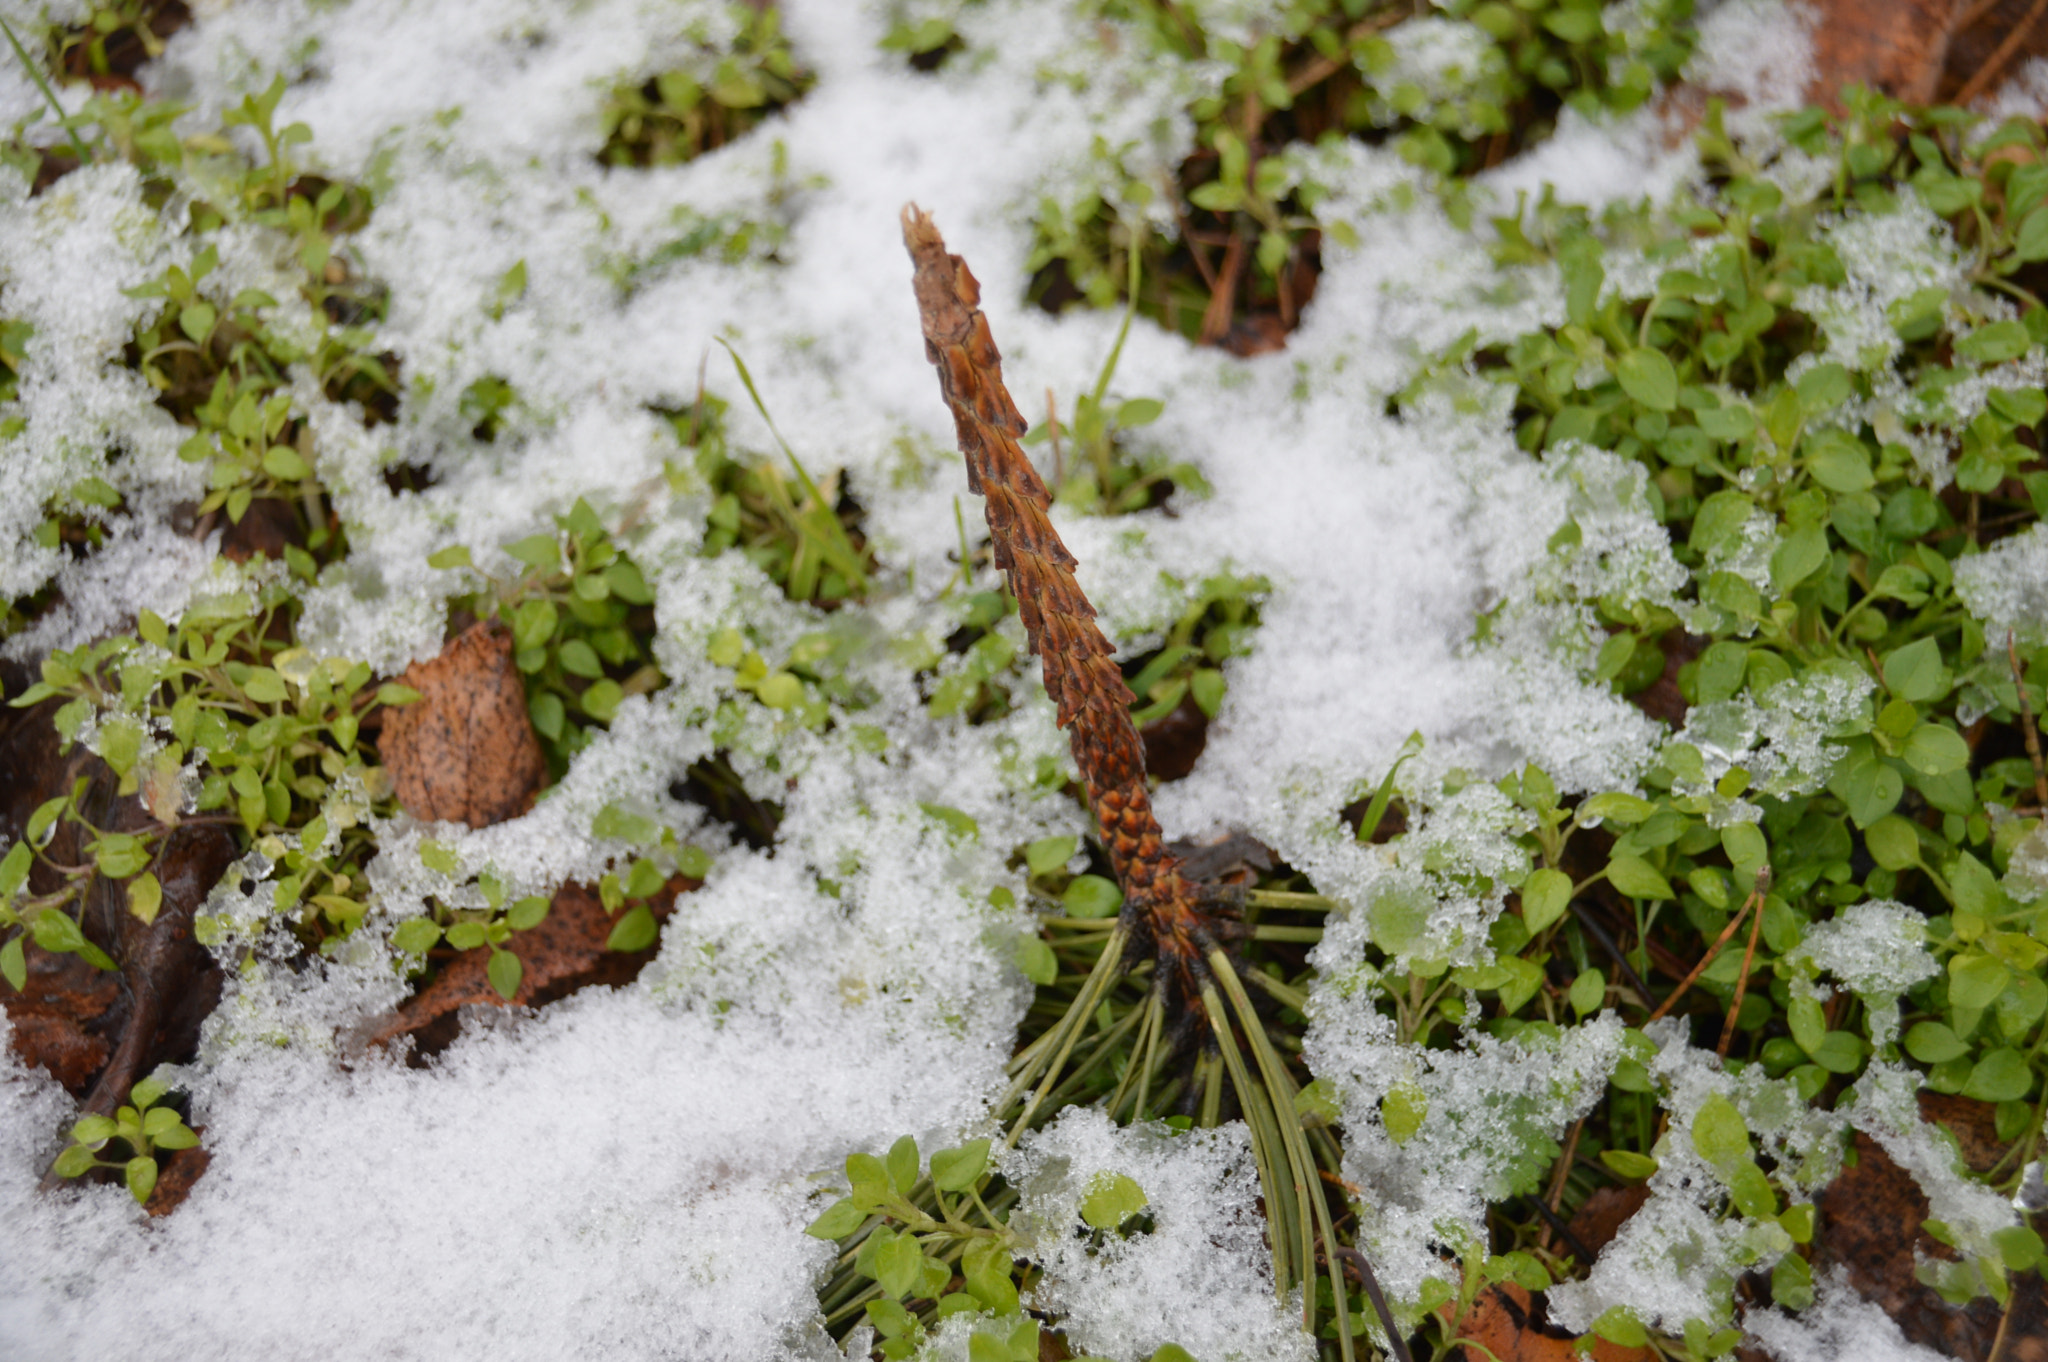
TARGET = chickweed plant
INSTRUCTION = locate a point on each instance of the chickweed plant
(679, 114)
(1233, 234)
(1798, 494)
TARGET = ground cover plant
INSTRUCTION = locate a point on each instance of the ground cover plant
(534, 792)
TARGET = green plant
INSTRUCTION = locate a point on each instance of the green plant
(83, 51)
(1108, 477)
(802, 532)
(214, 721)
(579, 615)
(143, 1127)
(682, 113)
(1457, 91)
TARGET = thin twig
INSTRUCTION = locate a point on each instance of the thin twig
(1756, 923)
(1755, 897)
(1987, 74)
(1357, 1261)
(2033, 735)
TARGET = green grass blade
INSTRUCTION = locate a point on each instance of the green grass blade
(35, 73)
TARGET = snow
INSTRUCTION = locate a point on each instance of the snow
(1198, 1275)
(627, 1174)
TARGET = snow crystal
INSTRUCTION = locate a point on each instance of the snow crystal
(2006, 586)
(1491, 1114)
(627, 1173)
(1198, 1275)
(1839, 1324)
(1675, 1255)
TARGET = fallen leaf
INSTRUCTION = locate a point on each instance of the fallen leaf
(1603, 1215)
(1869, 1226)
(97, 1032)
(563, 953)
(1511, 1325)
(1897, 46)
(464, 752)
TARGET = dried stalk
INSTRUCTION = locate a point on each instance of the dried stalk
(1162, 910)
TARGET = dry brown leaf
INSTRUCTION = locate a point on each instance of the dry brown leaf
(466, 752)
(563, 953)
(1869, 1225)
(1603, 1215)
(1508, 1322)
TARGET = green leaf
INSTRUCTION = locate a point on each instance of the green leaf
(955, 1170)
(1647, 376)
(898, 1263)
(13, 965)
(511, 288)
(1092, 896)
(1719, 1134)
(504, 972)
(2002, 1075)
(56, 933)
(1994, 344)
(527, 913)
(1403, 1110)
(439, 856)
(283, 462)
(196, 321)
(1587, 992)
(1750, 1191)
(1930, 1042)
(2031, 242)
(14, 868)
(1936, 749)
(1139, 411)
(541, 552)
(393, 694)
(955, 822)
(1620, 1327)
(986, 1267)
(601, 699)
(1839, 1052)
(1615, 807)
(902, 1162)
(633, 932)
(890, 1319)
(75, 1160)
(1915, 672)
(1637, 878)
(1894, 842)
(1112, 1198)
(616, 821)
(454, 556)
(1048, 854)
(1798, 556)
(1546, 894)
(1626, 1163)
(1808, 1023)
(145, 897)
(467, 936)
(93, 1130)
(416, 936)
(140, 1176)
(840, 1219)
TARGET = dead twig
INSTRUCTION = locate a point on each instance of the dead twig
(1755, 898)
(1756, 922)
(2033, 735)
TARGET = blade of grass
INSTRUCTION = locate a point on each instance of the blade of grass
(833, 544)
(1385, 794)
(35, 73)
